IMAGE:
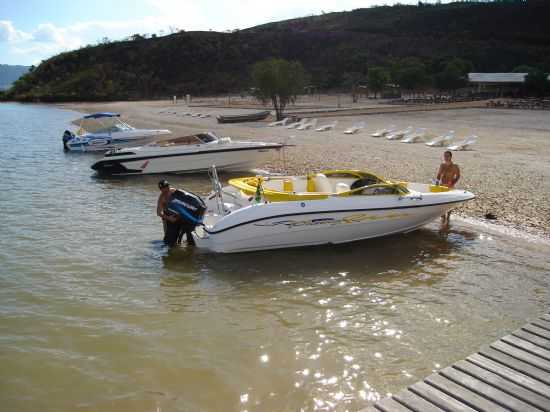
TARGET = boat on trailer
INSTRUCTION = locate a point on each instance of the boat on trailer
(105, 131)
(331, 207)
(186, 154)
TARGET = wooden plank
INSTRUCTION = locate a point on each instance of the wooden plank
(439, 398)
(522, 355)
(462, 394)
(527, 346)
(487, 391)
(511, 389)
(391, 405)
(534, 339)
(535, 330)
(510, 374)
(517, 364)
(541, 324)
(415, 402)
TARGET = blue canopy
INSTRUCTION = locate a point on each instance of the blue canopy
(99, 115)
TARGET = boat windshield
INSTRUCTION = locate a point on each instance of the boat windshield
(103, 125)
(200, 138)
(207, 137)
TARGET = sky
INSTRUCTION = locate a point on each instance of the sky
(34, 30)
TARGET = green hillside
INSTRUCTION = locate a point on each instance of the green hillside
(496, 36)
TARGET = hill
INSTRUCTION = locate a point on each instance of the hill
(495, 36)
(9, 74)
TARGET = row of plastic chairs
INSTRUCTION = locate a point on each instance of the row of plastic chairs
(410, 135)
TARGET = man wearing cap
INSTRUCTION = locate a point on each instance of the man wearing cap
(174, 227)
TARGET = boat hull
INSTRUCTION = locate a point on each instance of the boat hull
(104, 142)
(297, 224)
(227, 159)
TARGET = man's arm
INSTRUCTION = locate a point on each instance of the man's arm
(440, 172)
(160, 207)
(457, 174)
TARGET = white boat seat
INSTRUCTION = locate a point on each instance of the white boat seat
(342, 187)
(322, 184)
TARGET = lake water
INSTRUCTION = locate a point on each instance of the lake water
(97, 315)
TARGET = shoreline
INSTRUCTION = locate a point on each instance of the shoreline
(508, 168)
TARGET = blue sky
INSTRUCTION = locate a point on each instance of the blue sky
(33, 30)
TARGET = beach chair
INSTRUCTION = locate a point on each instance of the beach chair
(464, 144)
(442, 140)
(384, 132)
(399, 134)
(205, 115)
(308, 125)
(414, 137)
(280, 122)
(196, 115)
(326, 127)
(298, 123)
(355, 128)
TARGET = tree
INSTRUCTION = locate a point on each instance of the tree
(536, 82)
(352, 81)
(377, 78)
(410, 74)
(278, 81)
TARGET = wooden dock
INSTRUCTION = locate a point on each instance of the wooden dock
(512, 374)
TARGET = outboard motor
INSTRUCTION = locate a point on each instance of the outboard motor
(190, 209)
(68, 135)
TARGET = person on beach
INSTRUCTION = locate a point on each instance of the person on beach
(448, 175)
(173, 226)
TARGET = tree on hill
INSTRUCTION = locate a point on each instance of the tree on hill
(453, 76)
(377, 78)
(351, 81)
(537, 83)
(278, 81)
(411, 75)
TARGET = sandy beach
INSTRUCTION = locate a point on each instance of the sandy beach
(508, 168)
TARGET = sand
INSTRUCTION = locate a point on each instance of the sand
(508, 168)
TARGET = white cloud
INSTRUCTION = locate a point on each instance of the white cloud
(9, 34)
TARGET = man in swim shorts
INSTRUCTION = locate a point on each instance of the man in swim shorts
(448, 175)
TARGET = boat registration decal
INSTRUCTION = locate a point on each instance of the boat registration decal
(355, 218)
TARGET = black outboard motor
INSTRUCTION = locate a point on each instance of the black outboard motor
(68, 135)
(190, 209)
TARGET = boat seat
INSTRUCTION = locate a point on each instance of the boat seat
(322, 184)
(342, 187)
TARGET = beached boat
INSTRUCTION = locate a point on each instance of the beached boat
(186, 154)
(105, 131)
(238, 118)
(335, 206)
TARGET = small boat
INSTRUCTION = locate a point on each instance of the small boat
(105, 131)
(238, 118)
(334, 206)
(187, 154)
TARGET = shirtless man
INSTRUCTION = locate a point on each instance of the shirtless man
(448, 175)
(165, 192)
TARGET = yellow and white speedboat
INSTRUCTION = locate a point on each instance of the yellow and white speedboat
(334, 206)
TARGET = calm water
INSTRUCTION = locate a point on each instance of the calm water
(97, 315)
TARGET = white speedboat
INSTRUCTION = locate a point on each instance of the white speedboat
(104, 131)
(339, 206)
(187, 154)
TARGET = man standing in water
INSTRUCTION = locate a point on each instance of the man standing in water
(173, 225)
(170, 222)
(448, 175)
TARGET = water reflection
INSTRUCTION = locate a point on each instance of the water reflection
(323, 323)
